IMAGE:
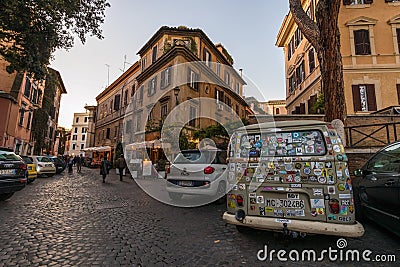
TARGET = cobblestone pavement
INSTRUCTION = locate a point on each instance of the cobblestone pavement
(76, 220)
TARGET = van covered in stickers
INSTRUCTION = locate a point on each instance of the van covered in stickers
(291, 177)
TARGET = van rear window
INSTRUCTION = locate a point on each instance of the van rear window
(282, 144)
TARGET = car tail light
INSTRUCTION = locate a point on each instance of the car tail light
(208, 170)
(239, 200)
(24, 167)
(168, 170)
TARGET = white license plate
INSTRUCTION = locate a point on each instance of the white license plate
(186, 183)
(285, 203)
(30, 168)
(7, 172)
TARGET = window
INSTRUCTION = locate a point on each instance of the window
(108, 133)
(117, 102)
(218, 70)
(133, 90)
(152, 86)
(138, 121)
(73, 146)
(77, 120)
(154, 54)
(386, 161)
(143, 63)
(75, 137)
(115, 131)
(290, 48)
(28, 124)
(364, 97)
(126, 98)
(300, 73)
(358, 2)
(84, 130)
(39, 98)
(27, 92)
(361, 42)
(192, 116)
(128, 126)
(164, 111)
(237, 88)
(192, 79)
(165, 77)
(276, 111)
(292, 84)
(82, 146)
(22, 114)
(398, 92)
(141, 90)
(86, 119)
(207, 57)
(311, 60)
(111, 106)
(298, 37)
(398, 37)
(83, 137)
(76, 130)
(34, 95)
(227, 78)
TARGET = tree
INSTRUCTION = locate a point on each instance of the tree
(31, 30)
(324, 35)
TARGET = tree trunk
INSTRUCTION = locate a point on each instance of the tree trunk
(325, 37)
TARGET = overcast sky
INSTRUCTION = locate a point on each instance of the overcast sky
(247, 29)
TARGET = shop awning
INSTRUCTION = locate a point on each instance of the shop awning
(97, 149)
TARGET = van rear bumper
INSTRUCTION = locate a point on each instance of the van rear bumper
(311, 227)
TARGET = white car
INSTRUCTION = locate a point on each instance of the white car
(44, 166)
(196, 172)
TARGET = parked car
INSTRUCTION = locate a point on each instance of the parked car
(60, 164)
(291, 177)
(32, 173)
(12, 174)
(195, 172)
(44, 166)
(377, 188)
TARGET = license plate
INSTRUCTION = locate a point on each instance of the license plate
(29, 168)
(186, 183)
(7, 172)
(285, 203)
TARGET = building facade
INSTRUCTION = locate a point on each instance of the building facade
(20, 96)
(270, 107)
(176, 65)
(370, 42)
(79, 130)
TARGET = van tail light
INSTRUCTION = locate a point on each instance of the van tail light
(168, 170)
(239, 200)
(208, 170)
(24, 167)
(40, 165)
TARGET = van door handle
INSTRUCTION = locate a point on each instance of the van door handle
(224, 169)
(390, 183)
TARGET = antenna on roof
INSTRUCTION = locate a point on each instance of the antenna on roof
(125, 63)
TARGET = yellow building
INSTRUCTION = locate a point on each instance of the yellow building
(370, 42)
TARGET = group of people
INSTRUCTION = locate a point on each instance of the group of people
(72, 161)
(105, 167)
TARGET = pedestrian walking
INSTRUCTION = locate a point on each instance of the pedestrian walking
(104, 168)
(79, 162)
(70, 164)
(121, 165)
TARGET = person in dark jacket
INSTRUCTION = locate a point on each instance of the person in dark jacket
(104, 168)
(70, 164)
(121, 165)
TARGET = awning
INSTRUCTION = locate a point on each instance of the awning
(157, 143)
(97, 149)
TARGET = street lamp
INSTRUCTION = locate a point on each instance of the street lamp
(176, 93)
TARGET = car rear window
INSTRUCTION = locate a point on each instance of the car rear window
(282, 144)
(203, 157)
(8, 156)
(27, 160)
(43, 159)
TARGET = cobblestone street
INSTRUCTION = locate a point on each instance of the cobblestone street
(76, 220)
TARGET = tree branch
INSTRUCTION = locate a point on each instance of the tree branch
(307, 26)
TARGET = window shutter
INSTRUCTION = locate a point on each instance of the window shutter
(346, 2)
(356, 98)
(371, 97)
(398, 92)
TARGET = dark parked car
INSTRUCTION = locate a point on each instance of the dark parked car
(60, 164)
(13, 173)
(377, 190)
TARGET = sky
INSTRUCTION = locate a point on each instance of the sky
(247, 29)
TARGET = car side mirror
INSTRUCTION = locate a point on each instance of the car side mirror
(359, 173)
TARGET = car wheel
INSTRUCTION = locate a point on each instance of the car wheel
(243, 229)
(175, 196)
(221, 191)
(5, 196)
